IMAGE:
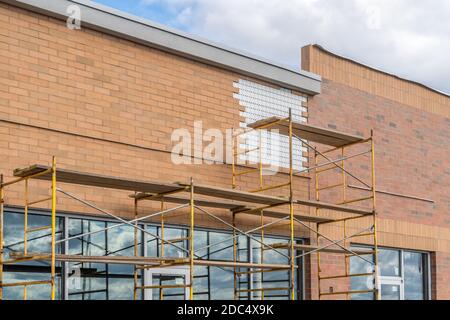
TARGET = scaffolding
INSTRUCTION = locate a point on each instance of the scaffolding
(334, 142)
(26, 256)
(192, 199)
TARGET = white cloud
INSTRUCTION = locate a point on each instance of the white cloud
(408, 38)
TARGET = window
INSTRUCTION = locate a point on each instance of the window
(415, 275)
(389, 261)
(404, 275)
(39, 241)
(217, 283)
(98, 281)
(261, 102)
(277, 283)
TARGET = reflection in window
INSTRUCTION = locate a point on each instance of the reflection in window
(389, 261)
(217, 283)
(271, 280)
(214, 283)
(390, 292)
(98, 281)
(414, 264)
(39, 241)
(403, 275)
(360, 266)
(36, 292)
(202, 274)
(168, 293)
(175, 249)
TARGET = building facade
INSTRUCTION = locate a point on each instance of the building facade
(107, 99)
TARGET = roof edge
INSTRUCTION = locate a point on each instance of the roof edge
(320, 47)
(117, 23)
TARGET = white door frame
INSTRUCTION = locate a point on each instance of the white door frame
(176, 271)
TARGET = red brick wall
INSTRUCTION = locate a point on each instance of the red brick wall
(412, 157)
(411, 149)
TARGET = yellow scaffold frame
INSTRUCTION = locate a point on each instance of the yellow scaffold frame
(26, 256)
(197, 198)
(322, 137)
(264, 188)
(369, 232)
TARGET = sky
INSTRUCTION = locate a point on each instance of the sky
(409, 38)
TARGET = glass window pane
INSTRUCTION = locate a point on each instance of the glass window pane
(389, 262)
(87, 284)
(88, 281)
(222, 284)
(178, 242)
(223, 251)
(221, 280)
(201, 243)
(390, 292)
(121, 288)
(168, 293)
(360, 266)
(414, 275)
(243, 280)
(266, 282)
(37, 292)
(201, 284)
(120, 242)
(13, 233)
(362, 283)
(152, 242)
(37, 242)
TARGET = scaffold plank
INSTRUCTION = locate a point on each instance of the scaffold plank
(199, 202)
(308, 132)
(334, 207)
(237, 195)
(234, 206)
(95, 180)
(279, 215)
(89, 179)
(143, 261)
(231, 264)
(128, 260)
(307, 248)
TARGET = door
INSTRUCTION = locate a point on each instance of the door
(167, 283)
(392, 289)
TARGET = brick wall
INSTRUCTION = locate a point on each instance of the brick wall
(108, 106)
(412, 147)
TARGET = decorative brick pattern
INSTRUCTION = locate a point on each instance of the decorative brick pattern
(261, 102)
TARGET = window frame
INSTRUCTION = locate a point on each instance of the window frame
(65, 216)
(427, 286)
